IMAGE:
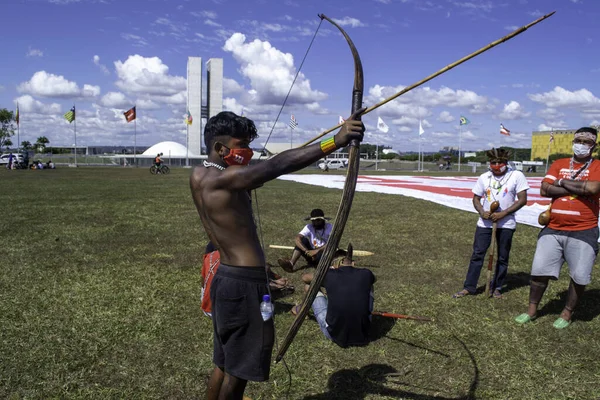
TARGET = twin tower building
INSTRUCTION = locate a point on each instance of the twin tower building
(214, 98)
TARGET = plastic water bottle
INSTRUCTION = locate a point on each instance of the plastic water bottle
(266, 308)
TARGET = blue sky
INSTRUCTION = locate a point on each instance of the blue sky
(106, 55)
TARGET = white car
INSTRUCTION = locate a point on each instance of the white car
(17, 158)
(332, 164)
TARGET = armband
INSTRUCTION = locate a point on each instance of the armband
(327, 146)
(560, 182)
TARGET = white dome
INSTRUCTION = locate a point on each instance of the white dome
(172, 149)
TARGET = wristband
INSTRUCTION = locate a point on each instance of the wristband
(560, 182)
(327, 146)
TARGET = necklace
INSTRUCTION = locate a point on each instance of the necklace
(499, 183)
(212, 164)
(580, 170)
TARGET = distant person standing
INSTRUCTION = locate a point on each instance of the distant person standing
(10, 161)
(572, 231)
(504, 185)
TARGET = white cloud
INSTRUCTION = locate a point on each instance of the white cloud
(513, 110)
(44, 84)
(550, 113)
(102, 67)
(349, 21)
(511, 27)
(34, 53)
(552, 125)
(115, 100)
(559, 97)
(134, 40)
(210, 22)
(270, 71)
(147, 105)
(204, 14)
(230, 86)
(28, 104)
(445, 116)
(149, 76)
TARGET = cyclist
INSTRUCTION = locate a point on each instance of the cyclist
(158, 162)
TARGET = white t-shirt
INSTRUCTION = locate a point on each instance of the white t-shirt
(504, 189)
(317, 238)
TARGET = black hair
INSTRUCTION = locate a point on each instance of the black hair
(229, 124)
(588, 129)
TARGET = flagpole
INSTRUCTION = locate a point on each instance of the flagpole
(459, 143)
(548, 156)
(187, 145)
(75, 132)
(135, 140)
(376, 153)
(18, 130)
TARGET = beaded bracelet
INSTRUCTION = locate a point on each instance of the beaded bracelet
(328, 145)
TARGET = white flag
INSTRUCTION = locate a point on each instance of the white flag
(382, 126)
(341, 120)
(421, 131)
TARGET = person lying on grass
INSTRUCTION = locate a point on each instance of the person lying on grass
(310, 241)
(243, 340)
(344, 314)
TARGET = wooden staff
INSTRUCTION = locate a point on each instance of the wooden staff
(441, 71)
(400, 316)
(358, 253)
(493, 207)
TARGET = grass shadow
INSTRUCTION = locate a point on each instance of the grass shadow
(380, 326)
(587, 309)
(358, 383)
(515, 281)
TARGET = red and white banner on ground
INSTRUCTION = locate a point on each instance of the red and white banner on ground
(449, 191)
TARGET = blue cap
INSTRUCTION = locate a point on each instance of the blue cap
(266, 298)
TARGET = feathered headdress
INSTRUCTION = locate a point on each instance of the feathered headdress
(498, 154)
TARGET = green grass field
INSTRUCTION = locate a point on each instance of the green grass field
(100, 295)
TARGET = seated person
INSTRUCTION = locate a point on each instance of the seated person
(310, 242)
(50, 164)
(344, 314)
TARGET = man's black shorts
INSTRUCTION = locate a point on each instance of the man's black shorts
(243, 342)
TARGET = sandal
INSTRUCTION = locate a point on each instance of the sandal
(497, 294)
(524, 318)
(461, 293)
(561, 323)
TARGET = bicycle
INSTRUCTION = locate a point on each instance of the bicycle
(163, 169)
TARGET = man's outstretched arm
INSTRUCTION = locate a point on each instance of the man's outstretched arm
(251, 177)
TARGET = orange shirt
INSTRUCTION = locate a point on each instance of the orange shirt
(157, 160)
(573, 213)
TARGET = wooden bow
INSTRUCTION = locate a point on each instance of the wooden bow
(344, 208)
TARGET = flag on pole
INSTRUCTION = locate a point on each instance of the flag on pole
(130, 114)
(551, 137)
(188, 118)
(421, 131)
(382, 126)
(17, 114)
(293, 123)
(464, 120)
(341, 120)
(70, 115)
(504, 131)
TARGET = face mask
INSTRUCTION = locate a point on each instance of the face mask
(498, 168)
(238, 156)
(581, 149)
